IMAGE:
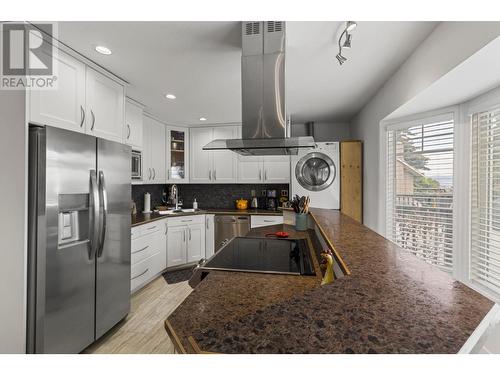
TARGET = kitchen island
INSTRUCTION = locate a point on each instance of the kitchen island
(389, 301)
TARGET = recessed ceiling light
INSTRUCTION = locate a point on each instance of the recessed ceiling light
(170, 96)
(103, 50)
(203, 119)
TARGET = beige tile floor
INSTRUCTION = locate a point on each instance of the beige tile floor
(142, 331)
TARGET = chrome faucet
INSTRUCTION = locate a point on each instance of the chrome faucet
(174, 196)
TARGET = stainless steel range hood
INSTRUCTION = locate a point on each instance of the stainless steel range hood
(265, 130)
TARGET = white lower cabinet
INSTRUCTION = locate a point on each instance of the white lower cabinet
(196, 242)
(209, 235)
(148, 253)
(185, 240)
(176, 246)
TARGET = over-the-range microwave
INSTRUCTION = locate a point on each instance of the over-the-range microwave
(136, 165)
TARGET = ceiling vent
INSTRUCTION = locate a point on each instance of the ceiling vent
(274, 26)
(252, 28)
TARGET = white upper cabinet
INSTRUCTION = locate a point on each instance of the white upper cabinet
(105, 106)
(147, 174)
(158, 152)
(219, 166)
(200, 160)
(276, 169)
(63, 107)
(177, 151)
(264, 169)
(250, 169)
(154, 167)
(132, 131)
(225, 162)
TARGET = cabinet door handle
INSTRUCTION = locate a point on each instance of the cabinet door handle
(207, 223)
(138, 251)
(128, 128)
(210, 175)
(154, 173)
(183, 236)
(93, 120)
(189, 229)
(149, 177)
(215, 174)
(260, 174)
(82, 112)
(166, 228)
(142, 273)
(265, 175)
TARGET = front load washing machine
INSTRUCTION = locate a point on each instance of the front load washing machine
(316, 173)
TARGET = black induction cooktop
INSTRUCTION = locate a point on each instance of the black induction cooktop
(281, 256)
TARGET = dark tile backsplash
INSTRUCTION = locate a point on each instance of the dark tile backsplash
(207, 195)
(156, 192)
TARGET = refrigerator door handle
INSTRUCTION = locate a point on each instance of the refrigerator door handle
(94, 224)
(103, 197)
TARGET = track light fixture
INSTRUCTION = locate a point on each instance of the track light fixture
(347, 36)
(341, 59)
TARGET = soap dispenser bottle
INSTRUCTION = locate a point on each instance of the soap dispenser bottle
(195, 204)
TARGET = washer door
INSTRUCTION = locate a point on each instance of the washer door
(315, 171)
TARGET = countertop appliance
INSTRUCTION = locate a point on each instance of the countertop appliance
(78, 239)
(316, 173)
(265, 128)
(228, 227)
(136, 165)
(271, 200)
(255, 203)
(264, 255)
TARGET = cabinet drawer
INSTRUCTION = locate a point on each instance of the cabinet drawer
(153, 227)
(186, 220)
(141, 248)
(135, 232)
(140, 273)
(257, 221)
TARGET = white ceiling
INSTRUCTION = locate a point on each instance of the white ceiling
(199, 62)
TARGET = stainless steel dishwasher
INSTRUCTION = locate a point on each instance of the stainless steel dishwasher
(229, 226)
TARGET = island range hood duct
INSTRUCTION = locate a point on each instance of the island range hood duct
(265, 130)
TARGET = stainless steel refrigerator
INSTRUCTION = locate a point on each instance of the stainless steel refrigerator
(78, 240)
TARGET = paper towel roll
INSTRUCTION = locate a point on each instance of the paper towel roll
(147, 203)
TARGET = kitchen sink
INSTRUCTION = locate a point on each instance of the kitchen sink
(172, 212)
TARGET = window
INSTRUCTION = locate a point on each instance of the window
(485, 199)
(420, 189)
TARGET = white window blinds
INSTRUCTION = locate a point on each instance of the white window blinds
(485, 200)
(420, 189)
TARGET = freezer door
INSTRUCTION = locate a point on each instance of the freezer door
(113, 255)
(61, 295)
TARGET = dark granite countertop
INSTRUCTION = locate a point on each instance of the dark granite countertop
(140, 218)
(390, 302)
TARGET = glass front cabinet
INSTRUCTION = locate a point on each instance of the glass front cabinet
(177, 154)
